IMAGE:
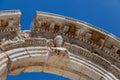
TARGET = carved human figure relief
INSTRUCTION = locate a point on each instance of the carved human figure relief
(3, 24)
(77, 33)
(52, 27)
(48, 51)
(83, 32)
(58, 41)
(88, 36)
(11, 23)
(56, 28)
(66, 28)
(71, 30)
(45, 25)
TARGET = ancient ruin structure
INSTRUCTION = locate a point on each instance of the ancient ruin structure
(58, 45)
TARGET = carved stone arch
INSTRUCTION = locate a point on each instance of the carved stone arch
(78, 57)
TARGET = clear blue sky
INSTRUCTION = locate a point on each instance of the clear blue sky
(104, 14)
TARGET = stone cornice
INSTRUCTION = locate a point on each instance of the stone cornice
(57, 44)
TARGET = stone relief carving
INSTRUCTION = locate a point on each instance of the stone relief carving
(13, 21)
(59, 47)
(3, 24)
(45, 25)
(87, 35)
(118, 52)
(82, 32)
(23, 35)
(111, 47)
(37, 23)
(66, 28)
(50, 43)
(16, 22)
(9, 24)
(58, 41)
(51, 28)
(70, 32)
(56, 28)
(97, 37)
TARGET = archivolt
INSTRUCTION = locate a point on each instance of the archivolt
(58, 45)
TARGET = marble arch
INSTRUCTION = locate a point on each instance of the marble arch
(59, 45)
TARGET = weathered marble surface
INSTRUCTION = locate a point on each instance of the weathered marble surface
(58, 45)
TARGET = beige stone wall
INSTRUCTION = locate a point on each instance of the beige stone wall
(57, 45)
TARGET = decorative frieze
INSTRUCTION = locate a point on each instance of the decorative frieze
(51, 44)
(9, 21)
(73, 31)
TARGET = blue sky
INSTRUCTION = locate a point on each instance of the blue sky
(104, 14)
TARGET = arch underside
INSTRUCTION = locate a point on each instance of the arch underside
(85, 53)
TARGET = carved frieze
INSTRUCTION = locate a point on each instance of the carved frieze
(3, 24)
(73, 32)
(57, 27)
(60, 41)
(70, 29)
(9, 25)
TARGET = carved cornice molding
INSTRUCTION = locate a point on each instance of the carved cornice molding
(57, 44)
